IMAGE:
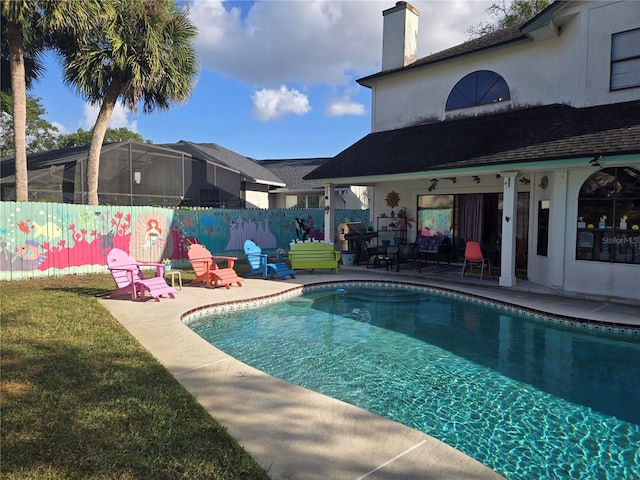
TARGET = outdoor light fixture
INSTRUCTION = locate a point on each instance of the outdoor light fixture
(137, 177)
(524, 181)
(595, 161)
(476, 179)
(434, 184)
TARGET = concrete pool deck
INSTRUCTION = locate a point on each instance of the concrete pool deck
(294, 433)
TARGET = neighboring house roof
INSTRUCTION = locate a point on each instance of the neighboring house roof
(64, 156)
(519, 136)
(292, 171)
(250, 170)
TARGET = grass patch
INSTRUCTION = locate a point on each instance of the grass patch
(82, 399)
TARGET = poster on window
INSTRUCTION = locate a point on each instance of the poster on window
(435, 221)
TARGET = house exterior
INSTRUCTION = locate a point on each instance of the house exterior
(299, 193)
(255, 181)
(528, 137)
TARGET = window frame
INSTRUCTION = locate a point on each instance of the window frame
(307, 198)
(607, 227)
(480, 98)
(615, 61)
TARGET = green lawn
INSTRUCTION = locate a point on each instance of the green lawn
(82, 399)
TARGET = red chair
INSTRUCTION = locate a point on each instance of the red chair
(473, 256)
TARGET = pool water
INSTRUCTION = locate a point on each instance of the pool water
(523, 396)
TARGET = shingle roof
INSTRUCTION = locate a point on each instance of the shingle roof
(499, 37)
(292, 171)
(250, 169)
(531, 134)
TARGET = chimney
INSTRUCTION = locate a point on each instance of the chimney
(399, 36)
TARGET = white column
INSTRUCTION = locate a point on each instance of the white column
(329, 213)
(559, 248)
(508, 242)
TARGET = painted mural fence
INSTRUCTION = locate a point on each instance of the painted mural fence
(52, 239)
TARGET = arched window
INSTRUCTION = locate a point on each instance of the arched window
(609, 216)
(478, 88)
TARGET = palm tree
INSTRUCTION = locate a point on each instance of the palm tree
(19, 18)
(141, 51)
(26, 28)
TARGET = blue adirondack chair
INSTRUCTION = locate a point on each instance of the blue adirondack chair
(260, 265)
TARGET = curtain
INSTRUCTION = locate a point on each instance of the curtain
(471, 216)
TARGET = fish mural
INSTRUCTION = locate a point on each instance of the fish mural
(29, 252)
(49, 230)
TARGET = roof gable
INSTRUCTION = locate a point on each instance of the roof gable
(250, 170)
(539, 27)
(292, 171)
(500, 37)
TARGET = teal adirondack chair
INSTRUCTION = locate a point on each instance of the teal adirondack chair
(260, 265)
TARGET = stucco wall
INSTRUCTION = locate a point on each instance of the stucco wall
(256, 199)
(572, 68)
(597, 278)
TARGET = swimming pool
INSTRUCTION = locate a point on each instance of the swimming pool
(525, 397)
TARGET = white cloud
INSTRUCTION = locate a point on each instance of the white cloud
(275, 104)
(344, 106)
(118, 117)
(62, 129)
(316, 42)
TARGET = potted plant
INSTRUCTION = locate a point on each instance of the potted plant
(348, 257)
(167, 264)
(602, 223)
(623, 222)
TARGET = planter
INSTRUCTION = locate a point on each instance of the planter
(348, 257)
(167, 267)
(623, 225)
(602, 225)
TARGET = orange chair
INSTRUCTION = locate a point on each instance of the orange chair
(473, 256)
(206, 269)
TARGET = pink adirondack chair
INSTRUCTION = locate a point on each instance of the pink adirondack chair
(129, 279)
(207, 270)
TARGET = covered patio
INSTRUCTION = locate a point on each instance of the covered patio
(510, 181)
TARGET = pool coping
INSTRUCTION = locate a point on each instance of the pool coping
(290, 431)
(612, 327)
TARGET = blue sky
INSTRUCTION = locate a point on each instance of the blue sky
(277, 78)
